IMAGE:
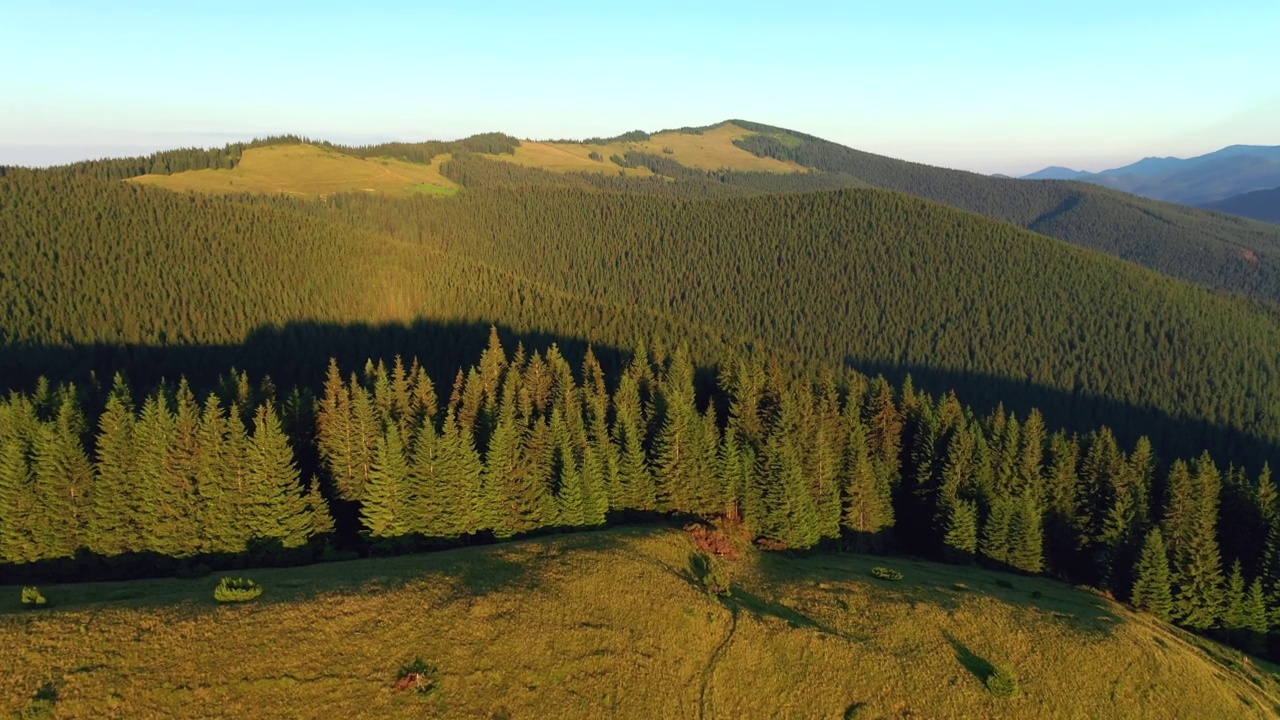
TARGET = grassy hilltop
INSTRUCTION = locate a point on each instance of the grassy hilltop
(614, 624)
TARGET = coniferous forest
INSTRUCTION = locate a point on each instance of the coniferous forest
(831, 359)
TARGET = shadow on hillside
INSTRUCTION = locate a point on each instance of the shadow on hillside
(980, 667)
(297, 354)
(1081, 411)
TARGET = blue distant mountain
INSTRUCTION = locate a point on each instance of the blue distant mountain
(1057, 172)
(1260, 205)
(1199, 180)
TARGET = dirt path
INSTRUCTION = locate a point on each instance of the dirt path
(704, 702)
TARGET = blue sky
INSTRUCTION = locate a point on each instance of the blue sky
(993, 86)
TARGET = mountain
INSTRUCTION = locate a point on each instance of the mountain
(1192, 181)
(1260, 205)
(1225, 253)
(615, 624)
(1057, 172)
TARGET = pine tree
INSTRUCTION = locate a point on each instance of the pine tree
(1151, 589)
(570, 496)
(960, 539)
(516, 495)
(19, 513)
(674, 474)
(635, 479)
(996, 529)
(1256, 617)
(1197, 565)
(868, 509)
(386, 509)
(276, 508)
(1233, 616)
(1026, 534)
(113, 521)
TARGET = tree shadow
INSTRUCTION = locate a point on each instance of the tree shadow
(977, 665)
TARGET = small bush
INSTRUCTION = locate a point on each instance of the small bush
(596, 156)
(1002, 683)
(32, 598)
(1004, 584)
(418, 677)
(713, 542)
(885, 573)
(1036, 594)
(236, 590)
(669, 150)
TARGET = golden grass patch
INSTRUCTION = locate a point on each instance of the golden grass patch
(311, 171)
(712, 150)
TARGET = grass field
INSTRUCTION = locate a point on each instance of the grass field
(612, 624)
(311, 171)
(712, 150)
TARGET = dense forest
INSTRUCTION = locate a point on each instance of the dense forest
(1228, 253)
(784, 351)
(522, 443)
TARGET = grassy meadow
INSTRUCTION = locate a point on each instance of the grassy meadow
(311, 171)
(612, 624)
(712, 150)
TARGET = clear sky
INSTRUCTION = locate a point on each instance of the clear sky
(993, 86)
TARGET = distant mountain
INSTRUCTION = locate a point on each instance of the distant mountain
(1192, 181)
(1259, 205)
(1057, 172)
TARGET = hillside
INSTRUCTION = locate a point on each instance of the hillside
(614, 624)
(1234, 255)
(1260, 205)
(886, 282)
(310, 171)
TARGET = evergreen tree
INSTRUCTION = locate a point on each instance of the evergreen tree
(276, 508)
(674, 446)
(635, 479)
(960, 540)
(114, 503)
(1152, 591)
(868, 508)
(386, 508)
(1233, 616)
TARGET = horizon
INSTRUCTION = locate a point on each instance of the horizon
(980, 88)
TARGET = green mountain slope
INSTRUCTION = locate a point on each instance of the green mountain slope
(613, 624)
(1230, 254)
(886, 281)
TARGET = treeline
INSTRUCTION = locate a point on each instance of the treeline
(173, 478)
(523, 443)
(893, 284)
(1180, 241)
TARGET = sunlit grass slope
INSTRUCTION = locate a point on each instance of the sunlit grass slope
(310, 170)
(612, 624)
(713, 149)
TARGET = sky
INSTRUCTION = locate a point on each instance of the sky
(990, 86)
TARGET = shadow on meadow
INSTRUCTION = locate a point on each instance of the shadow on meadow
(465, 572)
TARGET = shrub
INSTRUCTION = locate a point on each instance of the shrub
(712, 541)
(32, 598)
(1004, 584)
(236, 590)
(669, 150)
(418, 676)
(596, 156)
(1002, 683)
(885, 573)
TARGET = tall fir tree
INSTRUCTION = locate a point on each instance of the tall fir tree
(1152, 590)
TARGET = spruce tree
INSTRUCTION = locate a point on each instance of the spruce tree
(635, 479)
(276, 508)
(960, 538)
(674, 447)
(1151, 589)
(386, 510)
(18, 502)
(113, 516)
(1233, 615)
(868, 510)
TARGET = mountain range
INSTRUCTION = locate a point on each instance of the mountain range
(1200, 180)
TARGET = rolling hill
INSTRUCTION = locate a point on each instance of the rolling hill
(615, 624)
(1260, 205)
